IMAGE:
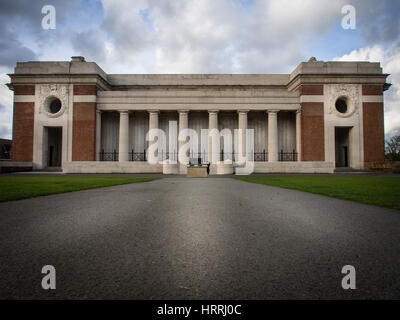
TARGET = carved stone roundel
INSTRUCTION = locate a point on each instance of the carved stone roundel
(47, 93)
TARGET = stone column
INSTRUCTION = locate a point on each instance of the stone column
(153, 124)
(98, 134)
(298, 134)
(212, 124)
(272, 135)
(242, 124)
(123, 154)
(183, 124)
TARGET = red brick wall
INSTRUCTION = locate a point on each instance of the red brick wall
(373, 126)
(84, 132)
(372, 90)
(22, 144)
(24, 90)
(311, 90)
(374, 135)
(80, 90)
(312, 131)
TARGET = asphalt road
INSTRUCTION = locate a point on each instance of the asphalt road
(214, 238)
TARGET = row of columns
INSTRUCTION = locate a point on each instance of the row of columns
(273, 151)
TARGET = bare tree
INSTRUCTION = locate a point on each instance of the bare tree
(392, 150)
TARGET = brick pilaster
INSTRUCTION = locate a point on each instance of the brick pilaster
(312, 125)
(23, 124)
(84, 125)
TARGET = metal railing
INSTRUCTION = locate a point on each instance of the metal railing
(137, 156)
(287, 156)
(163, 155)
(203, 156)
(108, 156)
(260, 156)
(252, 156)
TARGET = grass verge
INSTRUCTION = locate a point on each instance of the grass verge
(17, 188)
(378, 191)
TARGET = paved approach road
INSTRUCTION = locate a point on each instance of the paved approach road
(214, 238)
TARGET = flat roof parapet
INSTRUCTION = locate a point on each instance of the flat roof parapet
(74, 67)
(198, 79)
(337, 67)
(315, 71)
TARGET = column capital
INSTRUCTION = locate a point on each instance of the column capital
(123, 111)
(183, 111)
(298, 110)
(99, 111)
(213, 111)
(153, 111)
(243, 111)
(273, 111)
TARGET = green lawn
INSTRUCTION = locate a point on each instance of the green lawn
(17, 188)
(383, 192)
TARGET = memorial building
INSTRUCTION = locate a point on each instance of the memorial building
(73, 116)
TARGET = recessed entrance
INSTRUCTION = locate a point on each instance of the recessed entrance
(342, 151)
(54, 146)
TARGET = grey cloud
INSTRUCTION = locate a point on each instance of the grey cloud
(228, 39)
(12, 50)
(5, 131)
(89, 44)
(18, 19)
(208, 36)
(392, 133)
(127, 30)
(378, 21)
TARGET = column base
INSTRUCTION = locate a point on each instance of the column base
(221, 168)
(170, 167)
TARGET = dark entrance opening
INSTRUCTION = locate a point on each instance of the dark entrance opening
(54, 146)
(342, 146)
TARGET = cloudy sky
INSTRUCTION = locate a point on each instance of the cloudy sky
(201, 36)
